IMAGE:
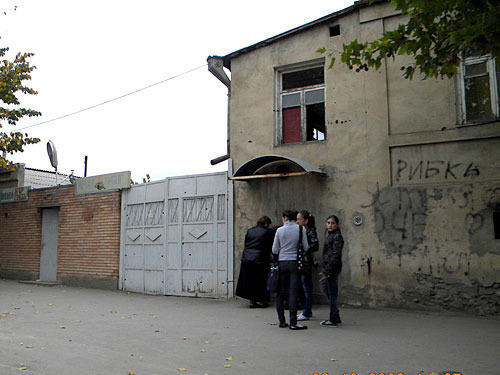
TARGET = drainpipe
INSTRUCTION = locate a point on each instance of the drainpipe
(216, 67)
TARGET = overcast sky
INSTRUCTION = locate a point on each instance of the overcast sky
(88, 52)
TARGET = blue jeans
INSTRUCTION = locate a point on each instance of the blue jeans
(331, 288)
(307, 285)
(288, 280)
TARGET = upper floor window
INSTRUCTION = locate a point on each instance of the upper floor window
(301, 104)
(479, 78)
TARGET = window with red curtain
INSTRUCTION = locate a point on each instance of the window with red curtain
(302, 101)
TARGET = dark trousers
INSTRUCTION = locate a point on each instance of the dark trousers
(288, 281)
(331, 289)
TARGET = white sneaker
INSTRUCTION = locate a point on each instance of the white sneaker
(302, 317)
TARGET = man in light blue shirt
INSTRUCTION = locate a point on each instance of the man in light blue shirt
(286, 242)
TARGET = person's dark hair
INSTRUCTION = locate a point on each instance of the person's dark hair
(311, 221)
(290, 215)
(334, 218)
(264, 221)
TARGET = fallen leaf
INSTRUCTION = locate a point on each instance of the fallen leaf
(181, 369)
(227, 366)
(230, 358)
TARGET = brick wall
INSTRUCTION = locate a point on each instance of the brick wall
(88, 243)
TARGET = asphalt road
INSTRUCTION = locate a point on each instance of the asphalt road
(63, 330)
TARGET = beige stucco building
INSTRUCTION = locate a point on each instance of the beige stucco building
(411, 167)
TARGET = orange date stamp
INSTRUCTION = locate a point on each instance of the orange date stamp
(391, 373)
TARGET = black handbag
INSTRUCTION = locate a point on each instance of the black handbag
(302, 263)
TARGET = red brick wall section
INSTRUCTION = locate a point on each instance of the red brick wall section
(89, 233)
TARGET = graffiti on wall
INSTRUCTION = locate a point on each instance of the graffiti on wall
(401, 214)
(422, 170)
(400, 217)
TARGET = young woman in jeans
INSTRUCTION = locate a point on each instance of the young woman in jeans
(331, 262)
(306, 220)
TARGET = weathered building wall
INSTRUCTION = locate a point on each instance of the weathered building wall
(424, 187)
(88, 242)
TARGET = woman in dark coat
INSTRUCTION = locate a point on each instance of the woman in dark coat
(252, 282)
(331, 261)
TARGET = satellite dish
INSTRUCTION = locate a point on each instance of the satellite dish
(51, 150)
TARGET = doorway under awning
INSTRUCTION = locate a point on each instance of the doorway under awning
(272, 166)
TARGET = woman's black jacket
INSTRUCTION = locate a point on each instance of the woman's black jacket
(331, 261)
(258, 245)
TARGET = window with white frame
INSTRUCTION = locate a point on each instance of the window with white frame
(301, 104)
(479, 80)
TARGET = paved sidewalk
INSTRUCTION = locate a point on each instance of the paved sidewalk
(63, 330)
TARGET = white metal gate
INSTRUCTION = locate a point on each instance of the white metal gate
(176, 237)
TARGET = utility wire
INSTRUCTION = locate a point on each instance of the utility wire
(112, 100)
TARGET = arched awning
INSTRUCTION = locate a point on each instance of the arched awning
(269, 166)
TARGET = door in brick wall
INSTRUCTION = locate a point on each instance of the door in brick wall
(175, 237)
(48, 254)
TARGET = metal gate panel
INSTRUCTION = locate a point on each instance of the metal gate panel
(211, 184)
(197, 283)
(154, 282)
(175, 237)
(48, 252)
(182, 186)
(134, 258)
(134, 280)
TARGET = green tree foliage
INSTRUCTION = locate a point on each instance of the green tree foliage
(438, 33)
(13, 75)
